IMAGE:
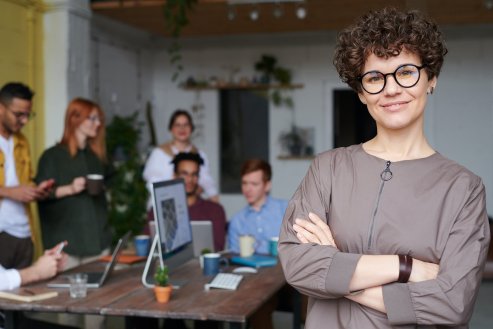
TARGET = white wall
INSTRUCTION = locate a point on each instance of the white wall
(120, 70)
(459, 116)
(66, 60)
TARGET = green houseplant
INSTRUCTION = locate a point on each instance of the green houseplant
(127, 193)
(271, 72)
(162, 289)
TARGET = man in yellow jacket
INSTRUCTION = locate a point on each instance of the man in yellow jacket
(16, 186)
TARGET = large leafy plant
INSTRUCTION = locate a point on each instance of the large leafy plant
(127, 193)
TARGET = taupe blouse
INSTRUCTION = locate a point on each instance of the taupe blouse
(432, 209)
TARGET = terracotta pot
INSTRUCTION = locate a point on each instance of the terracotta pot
(163, 294)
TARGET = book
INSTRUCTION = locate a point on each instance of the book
(26, 295)
(255, 261)
(124, 259)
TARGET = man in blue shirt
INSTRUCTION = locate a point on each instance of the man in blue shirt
(263, 215)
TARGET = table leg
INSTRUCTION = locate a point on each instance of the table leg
(11, 319)
(235, 325)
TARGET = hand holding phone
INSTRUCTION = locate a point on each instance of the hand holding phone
(46, 185)
(59, 248)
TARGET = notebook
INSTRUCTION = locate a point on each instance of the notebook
(95, 279)
(27, 295)
(255, 261)
(202, 236)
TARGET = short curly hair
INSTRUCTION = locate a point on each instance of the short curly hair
(386, 33)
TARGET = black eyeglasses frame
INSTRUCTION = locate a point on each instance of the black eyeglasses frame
(385, 75)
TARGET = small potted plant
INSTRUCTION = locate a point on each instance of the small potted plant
(162, 289)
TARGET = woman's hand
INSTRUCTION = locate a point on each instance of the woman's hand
(314, 231)
(78, 185)
(423, 271)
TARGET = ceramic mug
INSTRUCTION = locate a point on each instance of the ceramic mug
(273, 245)
(247, 245)
(142, 243)
(94, 184)
(212, 263)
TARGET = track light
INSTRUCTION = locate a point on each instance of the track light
(277, 12)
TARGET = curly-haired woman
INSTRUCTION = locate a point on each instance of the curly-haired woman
(389, 232)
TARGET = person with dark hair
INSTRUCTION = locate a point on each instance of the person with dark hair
(159, 165)
(16, 186)
(262, 217)
(388, 233)
(187, 166)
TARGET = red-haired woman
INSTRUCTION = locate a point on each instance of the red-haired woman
(71, 213)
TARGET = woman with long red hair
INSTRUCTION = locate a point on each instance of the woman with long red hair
(72, 213)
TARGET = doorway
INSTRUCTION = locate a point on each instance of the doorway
(244, 116)
(352, 122)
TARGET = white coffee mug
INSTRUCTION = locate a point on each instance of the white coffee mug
(247, 245)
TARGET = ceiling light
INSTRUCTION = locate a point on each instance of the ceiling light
(231, 13)
(254, 14)
(277, 13)
(301, 12)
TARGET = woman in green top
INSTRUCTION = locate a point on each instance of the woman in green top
(71, 213)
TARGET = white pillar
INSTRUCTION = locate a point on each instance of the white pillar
(66, 60)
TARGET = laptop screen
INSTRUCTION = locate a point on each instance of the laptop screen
(122, 242)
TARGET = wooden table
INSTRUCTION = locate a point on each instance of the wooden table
(124, 295)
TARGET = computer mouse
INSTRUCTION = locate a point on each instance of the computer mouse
(245, 269)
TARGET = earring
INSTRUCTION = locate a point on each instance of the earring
(430, 91)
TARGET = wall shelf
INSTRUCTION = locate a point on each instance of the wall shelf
(243, 86)
(296, 157)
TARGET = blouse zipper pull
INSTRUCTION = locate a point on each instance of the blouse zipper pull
(386, 175)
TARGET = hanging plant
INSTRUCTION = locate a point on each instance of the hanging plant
(176, 18)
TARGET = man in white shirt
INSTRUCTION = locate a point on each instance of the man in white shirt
(45, 267)
(16, 187)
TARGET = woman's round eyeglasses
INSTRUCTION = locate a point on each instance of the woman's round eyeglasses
(406, 76)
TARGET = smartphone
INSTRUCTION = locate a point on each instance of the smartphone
(50, 184)
(60, 247)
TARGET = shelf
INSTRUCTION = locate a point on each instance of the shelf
(295, 157)
(244, 86)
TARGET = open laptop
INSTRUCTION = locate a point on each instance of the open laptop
(95, 279)
(202, 236)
